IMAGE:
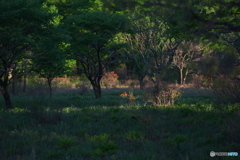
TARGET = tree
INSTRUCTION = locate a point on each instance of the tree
(138, 50)
(50, 65)
(162, 48)
(91, 36)
(223, 59)
(19, 33)
(232, 40)
(201, 17)
(185, 58)
(50, 61)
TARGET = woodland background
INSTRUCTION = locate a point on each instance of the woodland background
(109, 79)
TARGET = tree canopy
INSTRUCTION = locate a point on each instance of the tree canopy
(22, 25)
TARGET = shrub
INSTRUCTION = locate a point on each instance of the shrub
(226, 89)
(62, 82)
(130, 96)
(134, 135)
(102, 146)
(207, 82)
(83, 85)
(65, 142)
(161, 94)
(201, 81)
(196, 80)
(110, 79)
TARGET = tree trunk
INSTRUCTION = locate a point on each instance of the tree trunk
(97, 79)
(6, 97)
(14, 79)
(129, 71)
(141, 78)
(181, 76)
(97, 88)
(24, 82)
(185, 77)
(79, 70)
(157, 89)
(19, 84)
(50, 86)
(97, 91)
(14, 85)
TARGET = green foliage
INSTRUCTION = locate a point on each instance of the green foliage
(99, 138)
(102, 145)
(50, 65)
(92, 33)
(96, 26)
(20, 35)
(196, 16)
(74, 125)
(134, 135)
(51, 60)
(65, 142)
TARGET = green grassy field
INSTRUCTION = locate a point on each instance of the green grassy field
(74, 126)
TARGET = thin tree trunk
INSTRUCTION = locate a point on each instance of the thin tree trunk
(24, 82)
(19, 83)
(97, 79)
(129, 71)
(185, 77)
(141, 78)
(157, 89)
(50, 86)
(181, 76)
(14, 79)
(79, 70)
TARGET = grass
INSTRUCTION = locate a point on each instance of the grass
(75, 126)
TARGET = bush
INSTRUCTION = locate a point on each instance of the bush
(226, 89)
(201, 81)
(83, 84)
(110, 79)
(130, 96)
(161, 94)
